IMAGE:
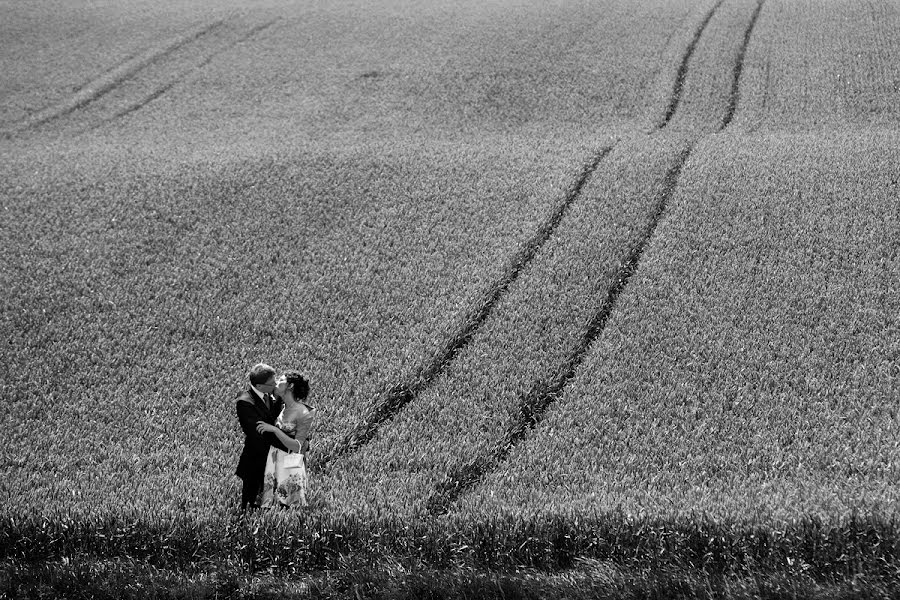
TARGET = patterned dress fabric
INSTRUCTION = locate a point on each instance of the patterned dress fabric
(286, 481)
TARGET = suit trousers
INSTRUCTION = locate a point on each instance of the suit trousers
(250, 492)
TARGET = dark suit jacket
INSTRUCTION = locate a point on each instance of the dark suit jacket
(250, 409)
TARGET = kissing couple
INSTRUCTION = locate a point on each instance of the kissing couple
(276, 424)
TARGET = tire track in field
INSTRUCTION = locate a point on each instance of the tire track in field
(680, 76)
(533, 404)
(111, 79)
(113, 92)
(739, 67)
(542, 393)
(404, 393)
(181, 75)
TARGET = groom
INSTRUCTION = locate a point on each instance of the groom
(257, 403)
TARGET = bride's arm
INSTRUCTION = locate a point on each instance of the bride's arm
(303, 428)
(290, 443)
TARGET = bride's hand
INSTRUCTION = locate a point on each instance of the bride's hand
(263, 427)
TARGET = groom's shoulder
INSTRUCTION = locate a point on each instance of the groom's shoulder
(245, 396)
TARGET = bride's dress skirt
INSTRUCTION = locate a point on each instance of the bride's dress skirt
(285, 481)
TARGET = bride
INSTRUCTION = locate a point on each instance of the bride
(286, 480)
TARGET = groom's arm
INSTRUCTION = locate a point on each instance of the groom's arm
(248, 416)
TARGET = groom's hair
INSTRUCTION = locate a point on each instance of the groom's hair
(260, 373)
(298, 383)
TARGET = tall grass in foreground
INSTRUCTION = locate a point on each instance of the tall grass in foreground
(283, 544)
(588, 579)
(485, 556)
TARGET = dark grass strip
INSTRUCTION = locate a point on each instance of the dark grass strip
(380, 578)
(739, 67)
(533, 405)
(675, 98)
(404, 393)
(853, 548)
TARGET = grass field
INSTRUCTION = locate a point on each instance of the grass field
(595, 298)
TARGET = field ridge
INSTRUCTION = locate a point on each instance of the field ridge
(403, 393)
(542, 393)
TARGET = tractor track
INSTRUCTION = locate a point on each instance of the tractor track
(402, 394)
(231, 31)
(678, 87)
(532, 405)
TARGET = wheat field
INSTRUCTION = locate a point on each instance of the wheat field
(591, 295)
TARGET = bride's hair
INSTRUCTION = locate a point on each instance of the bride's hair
(298, 384)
